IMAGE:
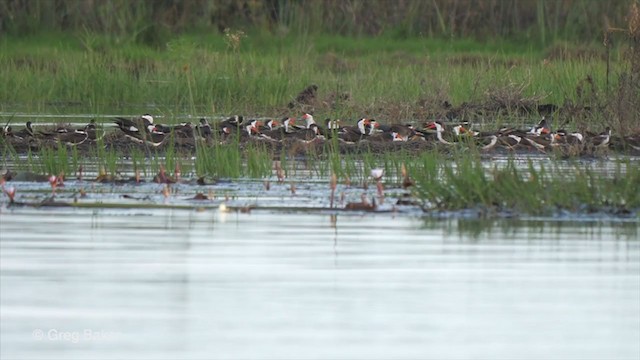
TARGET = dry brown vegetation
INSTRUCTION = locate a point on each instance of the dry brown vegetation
(148, 21)
(622, 104)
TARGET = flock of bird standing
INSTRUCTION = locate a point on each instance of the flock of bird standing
(144, 130)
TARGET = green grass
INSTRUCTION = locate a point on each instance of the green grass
(384, 77)
(391, 79)
(463, 182)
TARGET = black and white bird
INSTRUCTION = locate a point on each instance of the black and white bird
(137, 129)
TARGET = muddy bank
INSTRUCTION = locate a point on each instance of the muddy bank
(118, 142)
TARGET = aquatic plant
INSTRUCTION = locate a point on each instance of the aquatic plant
(465, 182)
(258, 162)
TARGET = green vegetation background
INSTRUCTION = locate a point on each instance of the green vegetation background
(394, 60)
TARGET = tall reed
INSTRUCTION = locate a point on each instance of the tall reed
(152, 23)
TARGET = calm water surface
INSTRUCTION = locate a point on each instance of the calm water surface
(169, 284)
